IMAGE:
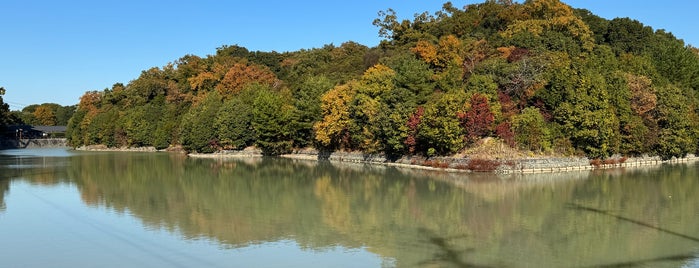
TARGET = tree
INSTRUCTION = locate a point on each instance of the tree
(45, 116)
(678, 130)
(531, 132)
(333, 131)
(241, 74)
(439, 129)
(412, 74)
(478, 120)
(233, 121)
(643, 98)
(365, 130)
(63, 114)
(307, 102)
(141, 123)
(551, 24)
(270, 122)
(197, 131)
(4, 110)
(580, 83)
(412, 125)
(626, 35)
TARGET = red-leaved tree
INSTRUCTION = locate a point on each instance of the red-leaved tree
(413, 122)
(477, 121)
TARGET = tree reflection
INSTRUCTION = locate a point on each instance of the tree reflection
(414, 217)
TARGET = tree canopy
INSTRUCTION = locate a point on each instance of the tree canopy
(4, 110)
(539, 75)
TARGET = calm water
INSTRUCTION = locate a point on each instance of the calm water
(71, 209)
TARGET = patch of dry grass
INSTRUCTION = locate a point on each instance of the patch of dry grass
(491, 149)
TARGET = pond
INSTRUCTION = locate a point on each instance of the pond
(61, 208)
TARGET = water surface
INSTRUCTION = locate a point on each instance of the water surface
(63, 208)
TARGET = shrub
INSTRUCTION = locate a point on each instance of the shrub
(482, 165)
(623, 160)
(609, 161)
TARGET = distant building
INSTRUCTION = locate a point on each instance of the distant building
(35, 132)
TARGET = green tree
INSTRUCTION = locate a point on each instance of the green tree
(73, 130)
(63, 114)
(197, 132)
(678, 130)
(413, 75)
(531, 132)
(4, 110)
(141, 123)
(233, 122)
(439, 128)
(626, 35)
(307, 100)
(270, 121)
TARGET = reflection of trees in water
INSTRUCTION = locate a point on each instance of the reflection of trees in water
(4, 189)
(417, 218)
(657, 208)
(35, 170)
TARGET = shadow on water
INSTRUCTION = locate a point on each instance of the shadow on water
(622, 218)
(680, 257)
(447, 254)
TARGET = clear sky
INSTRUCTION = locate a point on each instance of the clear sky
(54, 51)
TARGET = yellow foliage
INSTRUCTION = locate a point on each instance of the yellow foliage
(552, 15)
(377, 79)
(336, 114)
(45, 116)
(448, 51)
(197, 82)
(548, 9)
(505, 52)
(426, 50)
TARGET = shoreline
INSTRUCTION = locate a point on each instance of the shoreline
(530, 165)
(526, 165)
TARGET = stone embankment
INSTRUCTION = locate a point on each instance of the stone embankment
(465, 164)
(104, 148)
(248, 152)
(525, 165)
(32, 143)
(575, 164)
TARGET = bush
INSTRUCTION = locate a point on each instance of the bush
(483, 165)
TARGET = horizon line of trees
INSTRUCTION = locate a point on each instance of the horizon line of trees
(539, 76)
(45, 114)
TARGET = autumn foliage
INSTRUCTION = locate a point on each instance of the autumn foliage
(478, 120)
(539, 75)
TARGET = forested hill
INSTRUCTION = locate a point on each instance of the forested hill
(539, 76)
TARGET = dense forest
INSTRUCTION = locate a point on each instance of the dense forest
(539, 76)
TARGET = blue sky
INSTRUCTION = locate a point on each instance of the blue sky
(54, 51)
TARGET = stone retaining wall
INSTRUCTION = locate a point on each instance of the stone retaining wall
(33, 143)
(104, 148)
(451, 164)
(525, 166)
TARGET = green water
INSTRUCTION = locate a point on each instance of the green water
(73, 209)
